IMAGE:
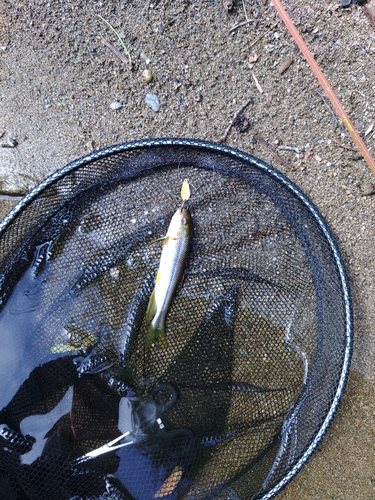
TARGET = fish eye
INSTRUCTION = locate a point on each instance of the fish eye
(184, 221)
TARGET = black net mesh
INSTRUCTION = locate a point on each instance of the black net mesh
(258, 333)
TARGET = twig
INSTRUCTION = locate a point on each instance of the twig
(257, 83)
(239, 110)
(325, 84)
(242, 23)
(335, 120)
(367, 49)
(265, 144)
(117, 53)
(343, 145)
(244, 9)
(8, 197)
(261, 36)
(119, 38)
(291, 148)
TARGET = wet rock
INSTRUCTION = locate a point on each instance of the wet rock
(16, 184)
(116, 105)
(153, 102)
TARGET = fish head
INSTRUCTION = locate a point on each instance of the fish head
(180, 225)
(184, 216)
(180, 221)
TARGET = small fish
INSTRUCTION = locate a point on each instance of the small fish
(172, 263)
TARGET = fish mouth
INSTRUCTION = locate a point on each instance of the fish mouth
(184, 212)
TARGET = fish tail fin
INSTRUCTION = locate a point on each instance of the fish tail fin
(156, 334)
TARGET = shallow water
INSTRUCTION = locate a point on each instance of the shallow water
(17, 325)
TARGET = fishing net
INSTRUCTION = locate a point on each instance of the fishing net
(259, 332)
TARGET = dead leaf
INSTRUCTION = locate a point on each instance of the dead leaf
(257, 83)
(285, 65)
(170, 483)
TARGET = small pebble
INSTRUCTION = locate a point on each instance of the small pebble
(116, 105)
(147, 76)
(367, 188)
(145, 58)
(11, 143)
(198, 97)
(253, 58)
(90, 145)
(153, 102)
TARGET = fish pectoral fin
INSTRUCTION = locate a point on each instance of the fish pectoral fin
(151, 308)
(162, 238)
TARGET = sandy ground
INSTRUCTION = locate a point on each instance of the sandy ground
(58, 81)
